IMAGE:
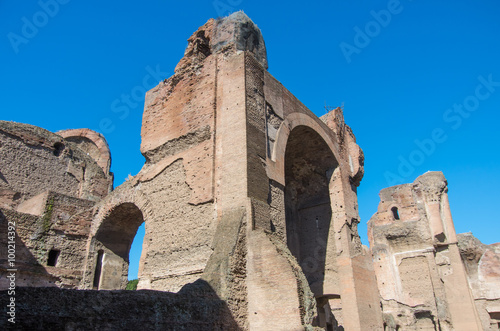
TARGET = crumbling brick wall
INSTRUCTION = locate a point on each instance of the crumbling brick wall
(196, 307)
(482, 263)
(420, 275)
(48, 186)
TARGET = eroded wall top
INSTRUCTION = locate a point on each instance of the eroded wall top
(91, 142)
(34, 160)
(413, 215)
(182, 105)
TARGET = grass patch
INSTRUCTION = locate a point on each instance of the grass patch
(132, 285)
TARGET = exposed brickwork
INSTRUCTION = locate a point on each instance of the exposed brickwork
(421, 276)
(249, 202)
(195, 308)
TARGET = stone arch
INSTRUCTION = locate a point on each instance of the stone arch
(130, 192)
(92, 143)
(309, 166)
(107, 261)
(292, 121)
(109, 209)
(306, 155)
(126, 193)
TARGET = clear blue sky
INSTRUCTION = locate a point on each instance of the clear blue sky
(407, 72)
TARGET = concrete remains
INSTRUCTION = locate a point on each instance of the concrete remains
(482, 264)
(249, 201)
(428, 277)
(195, 307)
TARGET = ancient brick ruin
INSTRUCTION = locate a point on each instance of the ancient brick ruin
(428, 277)
(250, 209)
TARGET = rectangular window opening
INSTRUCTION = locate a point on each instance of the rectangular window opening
(53, 256)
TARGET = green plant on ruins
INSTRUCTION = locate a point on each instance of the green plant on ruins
(47, 216)
(132, 284)
(43, 227)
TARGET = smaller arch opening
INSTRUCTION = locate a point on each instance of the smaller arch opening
(53, 256)
(395, 213)
(114, 237)
(58, 148)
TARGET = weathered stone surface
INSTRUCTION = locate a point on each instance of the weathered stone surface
(49, 186)
(196, 307)
(231, 158)
(91, 142)
(420, 275)
(236, 33)
(482, 263)
(250, 209)
(45, 161)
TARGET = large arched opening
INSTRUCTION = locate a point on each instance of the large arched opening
(309, 167)
(112, 244)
